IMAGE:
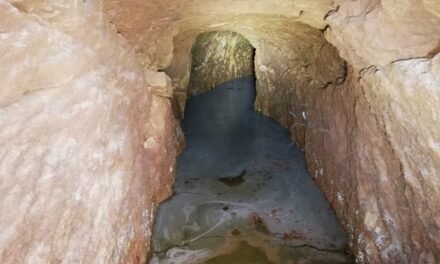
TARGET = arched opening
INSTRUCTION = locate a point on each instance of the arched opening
(217, 57)
(242, 193)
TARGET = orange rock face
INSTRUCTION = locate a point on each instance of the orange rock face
(86, 150)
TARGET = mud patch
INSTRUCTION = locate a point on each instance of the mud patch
(244, 254)
(234, 180)
(241, 179)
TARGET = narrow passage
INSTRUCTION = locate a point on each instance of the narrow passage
(243, 194)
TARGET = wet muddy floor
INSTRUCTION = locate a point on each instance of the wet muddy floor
(243, 194)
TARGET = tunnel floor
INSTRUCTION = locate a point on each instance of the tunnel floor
(242, 193)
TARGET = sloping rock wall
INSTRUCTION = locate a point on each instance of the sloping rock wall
(86, 150)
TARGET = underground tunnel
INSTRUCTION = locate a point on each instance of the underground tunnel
(201, 131)
(242, 190)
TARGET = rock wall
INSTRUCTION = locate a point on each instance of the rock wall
(86, 149)
(369, 141)
(218, 57)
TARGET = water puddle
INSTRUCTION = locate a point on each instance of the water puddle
(242, 193)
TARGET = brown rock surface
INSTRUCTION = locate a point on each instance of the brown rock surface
(372, 147)
(218, 57)
(377, 32)
(86, 150)
(77, 184)
(159, 84)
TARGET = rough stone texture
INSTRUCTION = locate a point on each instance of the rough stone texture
(387, 159)
(76, 183)
(150, 26)
(75, 105)
(218, 57)
(378, 32)
(178, 24)
(412, 133)
(297, 52)
(159, 84)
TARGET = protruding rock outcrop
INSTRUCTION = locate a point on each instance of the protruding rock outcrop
(77, 184)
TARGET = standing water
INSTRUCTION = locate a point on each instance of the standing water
(243, 194)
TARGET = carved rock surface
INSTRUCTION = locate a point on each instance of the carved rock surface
(86, 152)
(375, 157)
(218, 57)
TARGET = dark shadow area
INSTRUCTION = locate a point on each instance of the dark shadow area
(242, 192)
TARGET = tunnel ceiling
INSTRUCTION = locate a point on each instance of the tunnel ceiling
(138, 20)
(298, 43)
(285, 56)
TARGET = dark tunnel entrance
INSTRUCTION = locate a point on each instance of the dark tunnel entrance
(242, 192)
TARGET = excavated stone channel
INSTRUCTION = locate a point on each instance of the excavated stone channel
(242, 192)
